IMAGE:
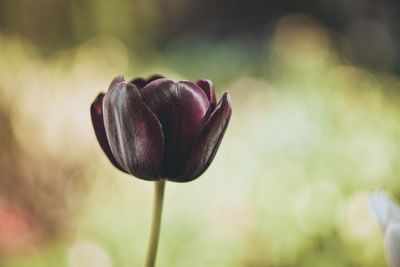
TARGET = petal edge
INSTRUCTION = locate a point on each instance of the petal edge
(96, 113)
(207, 142)
(208, 88)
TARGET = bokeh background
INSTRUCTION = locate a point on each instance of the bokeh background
(316, 126)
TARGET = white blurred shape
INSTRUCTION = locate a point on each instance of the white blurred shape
(392, 244)
(88, 254)
(388, 216)
(384, 208)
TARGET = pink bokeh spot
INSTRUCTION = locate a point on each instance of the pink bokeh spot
(18, 229)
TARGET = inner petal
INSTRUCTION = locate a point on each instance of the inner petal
(180, 107)
(141, 82)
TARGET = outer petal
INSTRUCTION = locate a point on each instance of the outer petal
(141, 82)
(116, 81)
(133, 131)
(206, 145)
(96, 112)
(180, 107)
(208, 88)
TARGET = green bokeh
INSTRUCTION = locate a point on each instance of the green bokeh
(310, 136)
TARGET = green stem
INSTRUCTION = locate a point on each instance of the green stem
(156, 223)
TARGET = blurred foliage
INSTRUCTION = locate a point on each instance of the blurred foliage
(366, 31)
(310, 136)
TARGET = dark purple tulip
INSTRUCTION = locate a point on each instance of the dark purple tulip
(158, 128)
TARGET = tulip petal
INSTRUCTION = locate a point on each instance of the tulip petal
(206, 145)
(208, 88)
(180, 107)
(141, 82)
(134, 132)
(116, 81)
(96, 112)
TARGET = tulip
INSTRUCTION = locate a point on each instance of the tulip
(157, 130)
(160, 129)
(387, 213)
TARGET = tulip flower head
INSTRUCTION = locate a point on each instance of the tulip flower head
(388, 216)
(160, 129)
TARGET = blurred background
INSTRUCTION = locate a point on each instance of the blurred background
(315, 86)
